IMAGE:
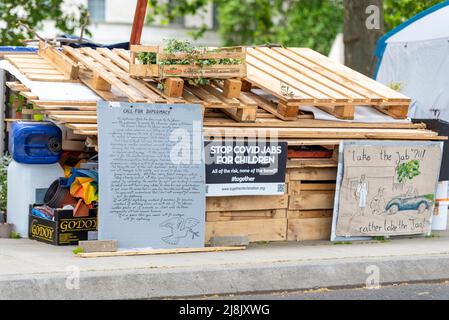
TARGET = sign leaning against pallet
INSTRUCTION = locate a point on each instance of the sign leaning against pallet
(151, 175)
(385, 188)
(235, 168)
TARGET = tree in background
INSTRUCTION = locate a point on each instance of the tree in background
(399, 11)
(33, 13)
(309, 23)
(363, 26)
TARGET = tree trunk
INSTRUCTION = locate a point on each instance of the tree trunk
(364, 25)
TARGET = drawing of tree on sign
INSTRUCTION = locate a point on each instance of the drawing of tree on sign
(180, 228)
(407, 171)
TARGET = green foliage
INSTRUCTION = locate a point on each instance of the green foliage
(399, 11)
(310, 23)
(4, 162)
(34, 13)
(407, 170)
(342, 243)
(78, 250)
(15, 235)
(194, 56)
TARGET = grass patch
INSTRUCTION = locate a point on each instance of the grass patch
(342, 242)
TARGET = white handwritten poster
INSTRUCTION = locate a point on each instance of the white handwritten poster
(386, 188)
(152, 184)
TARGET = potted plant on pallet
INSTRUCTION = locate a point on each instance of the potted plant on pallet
(181, 59)
(5, 228)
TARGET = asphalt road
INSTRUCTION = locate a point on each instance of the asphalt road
(420, 291)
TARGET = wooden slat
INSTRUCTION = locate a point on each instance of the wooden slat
(315, 68)
(63, 63)
(296, 79)
(360, 79)
(124, 76)
(124, 253)
(294, 67)
(118, 60)
(106, 75)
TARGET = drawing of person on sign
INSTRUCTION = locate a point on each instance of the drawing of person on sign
(377, 204)
(361, 194)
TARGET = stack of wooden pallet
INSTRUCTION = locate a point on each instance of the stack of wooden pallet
(266, 103)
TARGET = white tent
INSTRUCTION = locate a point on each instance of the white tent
(415, 58)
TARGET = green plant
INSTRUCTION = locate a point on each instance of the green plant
(78, 250)
(193, 56)
(15, 235)
(399, 11)
(407, 170)
(4, 162)
(66, 17)
(342, 242)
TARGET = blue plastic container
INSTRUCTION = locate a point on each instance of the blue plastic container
(35, 142)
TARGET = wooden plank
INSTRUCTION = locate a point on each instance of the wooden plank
(123, 75)
(156, 252)
(341, 112)
(313, 163)
(231, 102)
(63, 63)
(277, 77)
(174, 87)
(318, 133)
(295, 67)
(294, 78)
(232, 88)
(358, 78)
(309, 229)
(82, 126)
(122, 53)
(335, 78)
(273, 86)
(246, 215)
(269, 107)
(208, 98)
(64, 102)
(106, 75)
(115, 58)
(312, 200)
(256, 230)
(74, 119)
(242, 114)
(307, 214)
(246, 203)
(296, 187)
(313, 174)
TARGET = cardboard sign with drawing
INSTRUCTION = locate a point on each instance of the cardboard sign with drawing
(385, 188)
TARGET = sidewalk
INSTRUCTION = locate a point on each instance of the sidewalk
(32, 270)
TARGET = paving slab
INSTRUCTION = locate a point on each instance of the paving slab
(34, 270)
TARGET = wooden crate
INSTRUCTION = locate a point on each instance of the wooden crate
(257, 230)
(137, 69)
(246, 215)
(309, 229)
(246, 203)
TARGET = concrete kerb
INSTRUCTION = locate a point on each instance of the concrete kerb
(211, 280)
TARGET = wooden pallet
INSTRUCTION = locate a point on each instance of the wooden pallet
(49, 64)
(302, 77)
(106, 68)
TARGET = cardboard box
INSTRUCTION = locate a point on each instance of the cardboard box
(65, 229)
